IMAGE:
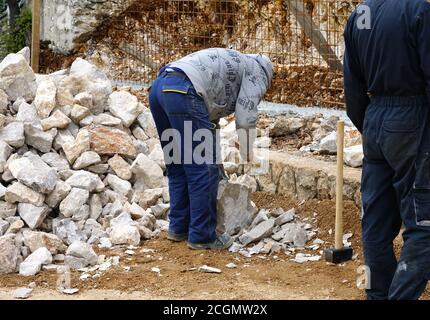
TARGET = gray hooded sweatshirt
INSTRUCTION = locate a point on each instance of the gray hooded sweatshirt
(229, 82)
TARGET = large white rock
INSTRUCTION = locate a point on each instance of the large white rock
(7, 209)
(120, 167)
(285, 217)
(57, 120)
(139, 133)
(22, 293)
(13, 134)
(26, 53)
(3, 101)
(86, 180)
(160, 210)
(101, 168)
(5, 152)
(86, 159)
(32, 215)
(125, 234)
(9, 254)
(79, 113)
(328, 144)
(230, 167)
(248, 181)
(4, 226)
(36, 239)
(15, 226)
(82, 214)
(45, 100)
(63, 137)
(119, 185)
(84, 99)
(96, 206)
(284, 126)
(79, 255)
(61, 190)
(149, 171)
(74, 200)
(32, 171)
(135, 211)
(2, 120)
(354, 156)
(115, 208)
(157, 155)
(125, 106)
(18, 192)
(262, 230)
(92, 81)
(39, 139)
(34, 262)
(123, 219)
(17, 79)
(27, 113)
(68, 231)
(106, 119)
(56, 161)
(235, 209)
(149, 197)
(146, 121)
(81, 144)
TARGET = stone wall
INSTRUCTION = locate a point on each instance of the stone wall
(308, 178)
(67, 23)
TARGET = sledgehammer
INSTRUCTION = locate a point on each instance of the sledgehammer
(339, 253)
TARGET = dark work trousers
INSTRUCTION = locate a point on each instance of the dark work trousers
(193, 186)
(396, 189)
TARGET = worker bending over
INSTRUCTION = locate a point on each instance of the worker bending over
(187, 100)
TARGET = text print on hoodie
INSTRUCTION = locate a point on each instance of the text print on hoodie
(229, 82)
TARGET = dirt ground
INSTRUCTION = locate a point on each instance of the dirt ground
(259, 277)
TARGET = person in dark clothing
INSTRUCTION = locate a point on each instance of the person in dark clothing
(387, 91)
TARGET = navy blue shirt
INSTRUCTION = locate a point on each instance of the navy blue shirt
(392, 58)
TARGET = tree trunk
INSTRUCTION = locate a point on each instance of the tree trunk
(14, 11)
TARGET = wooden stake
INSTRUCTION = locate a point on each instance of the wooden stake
(35, 35)
(339, 186)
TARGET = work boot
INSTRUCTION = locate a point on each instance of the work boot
(175, 237)
(222, 242)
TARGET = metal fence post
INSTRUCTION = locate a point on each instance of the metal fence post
(314, 34)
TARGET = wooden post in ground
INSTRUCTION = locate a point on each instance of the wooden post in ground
(339, 186)
(312, 31)
(35, 35)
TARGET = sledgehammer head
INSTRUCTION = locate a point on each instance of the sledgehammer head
(338, 255)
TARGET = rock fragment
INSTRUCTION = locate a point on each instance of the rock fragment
(33, 263)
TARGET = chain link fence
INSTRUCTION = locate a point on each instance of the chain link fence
(304, 38)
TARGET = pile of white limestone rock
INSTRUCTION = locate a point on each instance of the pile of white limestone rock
(81, 167)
